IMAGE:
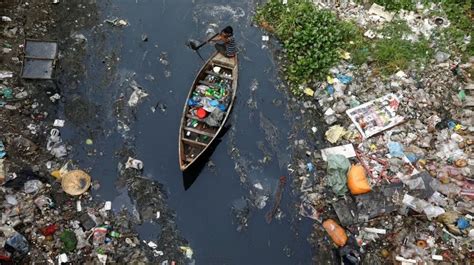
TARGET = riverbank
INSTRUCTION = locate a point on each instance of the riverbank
(398, 103)
(41, 223)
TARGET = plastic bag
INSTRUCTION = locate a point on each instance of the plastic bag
(345, 79)
(69, 240)
(215, 118)
(396, 149)
(336, 232)
(3, 153)
(33, 186)
(134, 163)
(337, 170)
(357, 180)
(335, 133)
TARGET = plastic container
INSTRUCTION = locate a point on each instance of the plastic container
(18, 242)
(336, 232)
(201, 113)
(357, 180)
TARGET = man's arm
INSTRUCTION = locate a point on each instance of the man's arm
(218, 38)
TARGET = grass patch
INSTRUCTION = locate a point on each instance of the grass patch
(459, 13)
(395, 5)
(392, 5)
(312, 38)
(392, 53)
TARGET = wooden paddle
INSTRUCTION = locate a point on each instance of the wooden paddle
(194, 44)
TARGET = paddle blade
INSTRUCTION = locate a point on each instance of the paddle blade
(193, 44)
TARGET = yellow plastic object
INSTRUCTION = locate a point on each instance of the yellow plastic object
(75, 182)
(187, 251)
(335, 133)
(330, 80)
(357, 180)
(373, 147)
(56, 174)
(308, 91)
(336, 232)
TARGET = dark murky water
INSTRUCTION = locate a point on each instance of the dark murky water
(203, 212)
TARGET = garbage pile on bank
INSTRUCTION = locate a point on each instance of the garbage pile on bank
(47, 212)
(409, 142)
(42, 223)
(397, 171)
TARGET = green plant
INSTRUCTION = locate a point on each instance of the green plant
(392, 5)
(312, 38)
(396, 29)
(391, 55)
(457, 12)
(392, 52)
(395, 5)
(452, 38)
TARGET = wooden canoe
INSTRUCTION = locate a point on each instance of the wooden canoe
(220, 75)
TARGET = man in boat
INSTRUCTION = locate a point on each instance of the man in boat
(225, 42)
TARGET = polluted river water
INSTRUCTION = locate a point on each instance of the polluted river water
(219, 208)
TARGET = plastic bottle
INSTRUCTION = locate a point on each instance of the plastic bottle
(115, 234)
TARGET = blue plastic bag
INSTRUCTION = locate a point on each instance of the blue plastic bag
(330, 89)
(222, 107)
(191, 102)
(2, 150)
(395, 149)
(344, 79)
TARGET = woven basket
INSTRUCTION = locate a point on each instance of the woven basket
(76, 182)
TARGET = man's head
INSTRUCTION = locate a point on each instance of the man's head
(228, 31)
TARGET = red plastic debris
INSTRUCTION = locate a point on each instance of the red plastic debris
(49, 230)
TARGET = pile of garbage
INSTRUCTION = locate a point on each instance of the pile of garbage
(49, 210)
(211, 98)
(400, 157)
(423, 21)
(393, 180)
(48, 222)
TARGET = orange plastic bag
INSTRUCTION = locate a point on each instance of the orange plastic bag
(357, 180)
(336, 232)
